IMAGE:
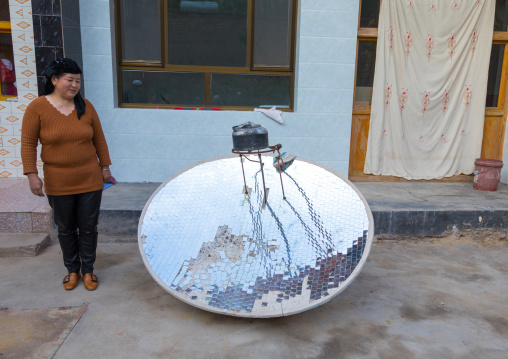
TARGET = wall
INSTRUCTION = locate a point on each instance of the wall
(11, 113)
(151, 145)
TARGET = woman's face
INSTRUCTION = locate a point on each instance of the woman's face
(68, 85)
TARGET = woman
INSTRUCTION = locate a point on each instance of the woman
(76, 165)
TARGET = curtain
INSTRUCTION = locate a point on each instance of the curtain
(430, 84)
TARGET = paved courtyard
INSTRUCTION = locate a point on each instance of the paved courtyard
(430, 298)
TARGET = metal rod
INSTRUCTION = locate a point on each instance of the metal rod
(263, 175)
(243, 172)
(280, 175)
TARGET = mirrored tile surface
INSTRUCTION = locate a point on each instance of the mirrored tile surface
(209, 244)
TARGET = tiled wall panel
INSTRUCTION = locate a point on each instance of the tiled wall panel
(11, 113)
(152, 145)
(72, 33)
(47, 21)
(38, 29)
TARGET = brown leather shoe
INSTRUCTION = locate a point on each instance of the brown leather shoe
(90, 280)
(70, 281)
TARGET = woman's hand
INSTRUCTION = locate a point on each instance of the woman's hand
(106, 174)
(35, 184)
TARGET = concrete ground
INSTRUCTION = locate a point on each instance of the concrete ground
(430, 298)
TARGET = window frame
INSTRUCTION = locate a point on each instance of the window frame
(363, 34)
(5, 28)
(500, 38)
(163, 65)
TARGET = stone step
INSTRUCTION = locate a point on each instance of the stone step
(398, 208)
(22, 244)
(115, 239)
(20, 210)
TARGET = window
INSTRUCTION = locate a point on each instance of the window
(497, 57)
(231, 54)
(7, 71)
(366, 59)
(366, 56)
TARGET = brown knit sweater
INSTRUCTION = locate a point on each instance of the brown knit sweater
(73, 150)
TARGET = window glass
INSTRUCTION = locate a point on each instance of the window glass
(272, 32)
(141, 30)
(369, 15)
(207, 33)
(501, 16)
(365, 71)
(494, 81)
(157, 87)
(4, 10)
(7, 71)
(250, 90)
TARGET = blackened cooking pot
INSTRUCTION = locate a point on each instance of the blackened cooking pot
(249, 137)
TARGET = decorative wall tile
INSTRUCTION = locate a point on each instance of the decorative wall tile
(21, 62)
(18, 37)
(32, 85)
(20, 107)
(17, 13)
(22, 24)
(37, 32)
(25, 49)
(13, 165)
(5, 174)
(328, 75)
(27, 74)
(20, 2)
(101, 96)
(90, 39)
(15, 141)
(51, 27)
(44, 56)
(46, 7)
(95, 14)
(7, 152)
(30, 96)
(11, 112)
(327, 50)
(12, 118)
(16, 128)
(334, 5)
(17, 152)
(5, 107)
(30, 60)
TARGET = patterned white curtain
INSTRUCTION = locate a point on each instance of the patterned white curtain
(430, 84)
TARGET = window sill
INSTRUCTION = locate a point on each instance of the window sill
(197, 108)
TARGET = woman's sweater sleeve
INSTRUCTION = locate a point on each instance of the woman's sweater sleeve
(99, 140)
(29, 139)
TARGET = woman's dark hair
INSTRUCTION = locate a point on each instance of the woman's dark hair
(58, 68)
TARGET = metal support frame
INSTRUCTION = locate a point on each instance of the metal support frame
(280, 163)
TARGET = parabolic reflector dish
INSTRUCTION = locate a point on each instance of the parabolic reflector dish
(208, 244)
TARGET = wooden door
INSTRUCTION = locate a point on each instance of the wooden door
(496, 102)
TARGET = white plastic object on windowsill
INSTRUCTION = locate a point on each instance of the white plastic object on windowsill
(272, 113)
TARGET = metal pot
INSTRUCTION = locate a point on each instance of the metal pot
(249, 137)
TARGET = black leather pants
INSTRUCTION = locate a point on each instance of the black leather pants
(77, 216)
